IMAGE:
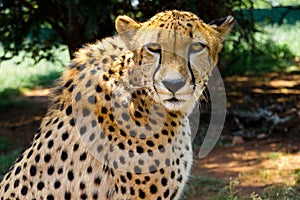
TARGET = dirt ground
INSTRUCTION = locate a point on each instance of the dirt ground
(258, 152)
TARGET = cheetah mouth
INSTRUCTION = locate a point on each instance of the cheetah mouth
(173, 100)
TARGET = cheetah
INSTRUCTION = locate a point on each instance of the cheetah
(118, 124)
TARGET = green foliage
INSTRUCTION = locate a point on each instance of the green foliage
(264, 54)
(37, 27)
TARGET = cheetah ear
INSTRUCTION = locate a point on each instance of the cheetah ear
(126, 28)
(222, 26)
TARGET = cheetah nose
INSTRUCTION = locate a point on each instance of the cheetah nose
(174, 84)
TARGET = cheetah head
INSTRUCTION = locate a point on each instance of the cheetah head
(175, 53)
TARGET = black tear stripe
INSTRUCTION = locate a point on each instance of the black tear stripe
(190, 68)
(156, 70)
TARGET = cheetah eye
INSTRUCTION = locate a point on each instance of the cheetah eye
(196, 47)
(153, 47)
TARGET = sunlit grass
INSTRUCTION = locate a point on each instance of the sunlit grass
(26, 74)
(286, 34)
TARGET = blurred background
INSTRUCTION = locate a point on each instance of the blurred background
(258, 154)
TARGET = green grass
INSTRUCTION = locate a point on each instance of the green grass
(27, 75)
(17, 74)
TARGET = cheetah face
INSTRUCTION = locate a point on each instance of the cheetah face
(172, 76)
(175, 54)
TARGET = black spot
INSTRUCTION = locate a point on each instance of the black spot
(109, 137)
(105, 77)
(166, 193)
(78, 96)
(67, 195)
(92, 137)
(100, 119)
(16, 183)
(32, 170)
(99, 148)
(111, 128)
(164, 181)
(153, 189)
(172, 114)
(142, 194)
(104, 60)
(139, 149)
(65, 136)
(179, 179)
(111, 117)
(50, 197)
(50, 144)
(71, 88)
(92, 99)
(107, 97)
(123, 190)
(88, 83)
(24, 190)
(173, 194)
(60, 125)
(85, 112)
(68, 83)
(98, 88)
(152, 169)
(6, 187)
(57, 184)
(82, 130)
(70, 175)
(29, 154)
(167, 161)
(104, 110)
(132, 133)
(50, 170)
(132, 191)
(173, 123)
(60, 171)
(161, 148)
(172, 175)
(40, 185)
(75, 147)
(97, 180)
(164, 132)
(69, 110)
(123, 133)
(137, 114)
(64, 155)
(150, 143)
(142, 136)
(47, 158)
(83, 156)
(72, 122)
(123, 179)
(121, 146)
(82, 186)
(48, 133)
(125, 116)
(95, 195)
(89, 170)
(83, 196)
(137, 170)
